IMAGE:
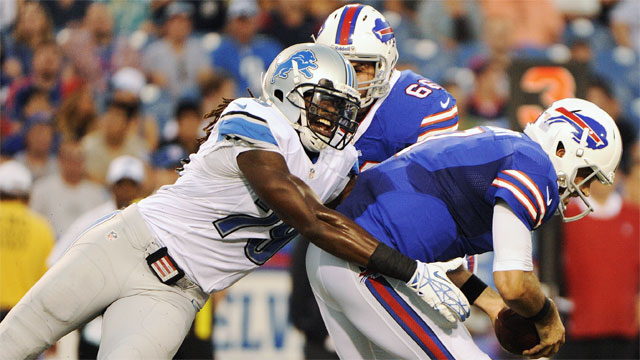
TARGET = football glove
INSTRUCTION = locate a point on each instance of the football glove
(430, 282)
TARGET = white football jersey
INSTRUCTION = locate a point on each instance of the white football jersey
(212, 223)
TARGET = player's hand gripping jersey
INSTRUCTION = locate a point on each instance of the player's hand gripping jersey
(408, 198)
(414, 109)
(217, 242)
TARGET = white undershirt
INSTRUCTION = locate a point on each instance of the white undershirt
(511, 241)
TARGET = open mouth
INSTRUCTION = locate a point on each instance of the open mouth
(322, 127)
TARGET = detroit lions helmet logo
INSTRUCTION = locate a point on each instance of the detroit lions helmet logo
(382, 30)
(305, 60)
(597, 138)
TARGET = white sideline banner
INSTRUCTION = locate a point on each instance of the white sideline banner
(252, 321)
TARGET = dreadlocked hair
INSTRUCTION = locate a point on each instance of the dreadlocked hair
(214, 115)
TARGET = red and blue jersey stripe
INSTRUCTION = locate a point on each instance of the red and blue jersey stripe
(347, 24)
(407, 318)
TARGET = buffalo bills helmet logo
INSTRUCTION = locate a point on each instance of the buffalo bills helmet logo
(305, 60)
(597, 138)
(382, 30)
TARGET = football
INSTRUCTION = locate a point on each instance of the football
(514, 332)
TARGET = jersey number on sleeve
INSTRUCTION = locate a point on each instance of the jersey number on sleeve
(258, 251)
(422, 89)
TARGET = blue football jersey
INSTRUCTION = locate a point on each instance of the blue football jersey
(434, 200)
(414, 109)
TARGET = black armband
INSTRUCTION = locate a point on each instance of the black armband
(543, 312)
(390, 262)
(472, 288)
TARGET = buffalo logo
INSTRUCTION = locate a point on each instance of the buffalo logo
(597, 134)
(305, 60)
(383, 30)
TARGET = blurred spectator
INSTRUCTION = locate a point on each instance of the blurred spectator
(66, 13)
(125, 178)
(600, 93)
(94, 50)
(581, 50)
(116, 135)
(209, 15)
(76, 117)
(32, 28)
(534, 24)
(127, 85)
(65, 196)
(450, 22)
(289, 22)
(498, 38)
(36, 107)
(319, 10)
(625, 24)
(8, 13)
(490, 95)
(601, 261)
(188, 125)
(25, 237)
(175, 61)
(38, 155)
(242, 52)
(47, 61)
(129, 16)
(214, 89)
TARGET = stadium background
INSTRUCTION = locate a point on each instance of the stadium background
(503, 60)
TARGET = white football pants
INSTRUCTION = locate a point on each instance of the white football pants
(375, 317)
(105, 271)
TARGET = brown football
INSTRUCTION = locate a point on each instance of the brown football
(514, 332)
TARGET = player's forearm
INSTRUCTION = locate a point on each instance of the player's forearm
(488, 300)
(349, 241)
(490, 303)
(521, 291)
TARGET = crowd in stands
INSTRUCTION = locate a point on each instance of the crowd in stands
(85, 82)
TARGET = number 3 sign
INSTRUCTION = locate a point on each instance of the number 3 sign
(536, 84)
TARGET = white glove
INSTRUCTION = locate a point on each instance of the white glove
(430, 281)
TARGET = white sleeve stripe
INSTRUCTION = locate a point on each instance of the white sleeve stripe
(441, 116)
(436, 131)
(526, 181)
(522, 198)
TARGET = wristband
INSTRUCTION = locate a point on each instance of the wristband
(472, 288)
(390, 262)
(543, 312)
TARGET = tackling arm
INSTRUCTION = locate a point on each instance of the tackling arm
(297, 205)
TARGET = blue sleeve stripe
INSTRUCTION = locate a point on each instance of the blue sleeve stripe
(246, 128)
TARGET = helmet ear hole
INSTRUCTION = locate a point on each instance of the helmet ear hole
(279, 95)
(560, 151)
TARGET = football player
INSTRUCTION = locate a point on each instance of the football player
(468, 192)
(399, 108)
(260, 176)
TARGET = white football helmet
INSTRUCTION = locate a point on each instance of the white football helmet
(590, 138)
(313, 86)
(361, 33)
